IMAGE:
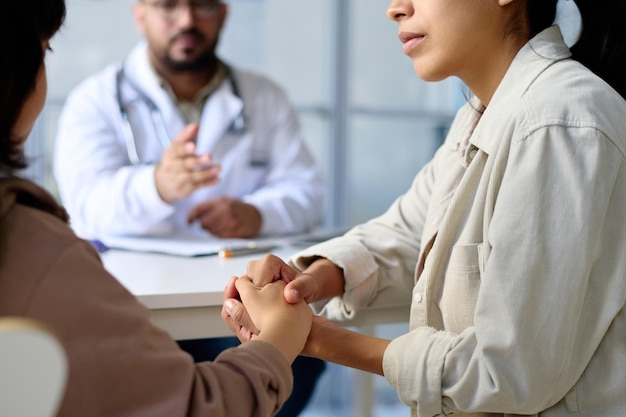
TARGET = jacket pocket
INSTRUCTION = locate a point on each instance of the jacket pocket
(460, 287)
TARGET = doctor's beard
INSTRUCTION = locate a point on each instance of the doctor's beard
(202, 62)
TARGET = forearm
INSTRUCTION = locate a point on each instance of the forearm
(336, 344)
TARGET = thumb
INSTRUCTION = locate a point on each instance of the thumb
(238, 314)
(304, 287)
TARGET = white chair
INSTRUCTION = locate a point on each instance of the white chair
(33, 369)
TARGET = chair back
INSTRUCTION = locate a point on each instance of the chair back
(33, 369)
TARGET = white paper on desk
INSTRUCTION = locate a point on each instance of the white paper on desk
(181, 246)
(200, 245)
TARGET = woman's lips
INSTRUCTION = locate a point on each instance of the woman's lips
(409, 40)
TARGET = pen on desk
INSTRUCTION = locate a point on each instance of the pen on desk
(251, 250)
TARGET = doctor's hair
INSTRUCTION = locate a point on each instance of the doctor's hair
(24, 25)
(601, 46)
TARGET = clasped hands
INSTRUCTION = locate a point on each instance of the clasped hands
(269, 303)
(182, 171)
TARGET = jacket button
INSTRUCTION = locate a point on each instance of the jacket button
(417, 297)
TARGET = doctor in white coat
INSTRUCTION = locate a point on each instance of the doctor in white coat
(174, 141)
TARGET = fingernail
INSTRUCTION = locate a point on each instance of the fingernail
(229, 305)
(295, 293)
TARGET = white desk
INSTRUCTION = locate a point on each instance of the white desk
(185, 295)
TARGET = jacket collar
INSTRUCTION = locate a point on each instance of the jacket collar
(541, 52)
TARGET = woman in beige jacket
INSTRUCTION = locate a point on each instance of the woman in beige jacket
(120, 365)
(510, 246)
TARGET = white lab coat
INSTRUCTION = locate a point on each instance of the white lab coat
(106, 195)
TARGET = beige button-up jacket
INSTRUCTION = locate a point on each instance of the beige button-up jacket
(511, 248)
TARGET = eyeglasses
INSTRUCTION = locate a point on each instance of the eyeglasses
(172, 9)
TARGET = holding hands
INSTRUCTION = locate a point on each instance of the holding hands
(289, 288)
(298, 286)
(266, 316)
(282, 290)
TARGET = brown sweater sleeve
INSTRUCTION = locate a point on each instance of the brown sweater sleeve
(121, 365)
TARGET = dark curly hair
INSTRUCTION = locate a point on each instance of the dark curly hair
(24, 24)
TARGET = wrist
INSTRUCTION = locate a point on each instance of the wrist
(157, 184)
(283, 343)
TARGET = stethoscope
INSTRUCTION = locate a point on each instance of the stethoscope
(238, 126)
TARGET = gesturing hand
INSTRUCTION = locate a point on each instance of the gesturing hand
(181, 171)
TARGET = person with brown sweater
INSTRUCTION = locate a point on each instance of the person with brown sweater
(120, 364)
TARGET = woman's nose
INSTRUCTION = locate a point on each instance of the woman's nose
(398, 9)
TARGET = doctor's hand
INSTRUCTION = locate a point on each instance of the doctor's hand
(181, 171)
(227, 218)
(266, 315)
